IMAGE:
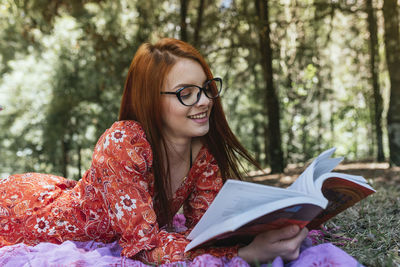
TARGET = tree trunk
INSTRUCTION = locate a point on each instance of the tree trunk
(274, 150)
(374, 69)
(290, 146)
(355, 138)
(184, 9)
(258, 127)
(303, 139)
(254, 142)
(320, 90)
(197, 29)
(144, 22)
(392, 44)
(267, 160)
(319, 114)
(79, 161)
(332, 121)
(65, 157)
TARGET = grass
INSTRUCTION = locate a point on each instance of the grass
(371, 228)
(374, 225)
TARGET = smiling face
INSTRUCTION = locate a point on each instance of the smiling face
(179, 121)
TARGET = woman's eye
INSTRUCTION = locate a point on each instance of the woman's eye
(188, 92)
(186, 95)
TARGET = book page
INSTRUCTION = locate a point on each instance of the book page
(238, 197)
(321, 165)
(304, 181)
(325, 166)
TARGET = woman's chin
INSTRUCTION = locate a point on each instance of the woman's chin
(200, 132)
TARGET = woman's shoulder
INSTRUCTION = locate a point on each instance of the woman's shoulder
(203, 154)
(126, 136)
(120, 130)
(204, 160)
(130, 125)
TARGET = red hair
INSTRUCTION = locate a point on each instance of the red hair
(141, 101)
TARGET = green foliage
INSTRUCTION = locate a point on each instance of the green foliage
(63, 66)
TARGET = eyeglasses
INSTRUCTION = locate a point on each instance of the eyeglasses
(189, 95)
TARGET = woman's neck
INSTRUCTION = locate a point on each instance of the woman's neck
(179, 162)
(178, 152)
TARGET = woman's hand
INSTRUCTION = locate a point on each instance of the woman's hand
(284, 242)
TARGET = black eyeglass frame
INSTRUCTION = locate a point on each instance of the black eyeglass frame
(202, 89)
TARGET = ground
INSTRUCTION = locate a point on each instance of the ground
(369, 231)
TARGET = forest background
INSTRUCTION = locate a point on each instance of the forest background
(299, 76)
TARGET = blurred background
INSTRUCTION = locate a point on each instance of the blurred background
(299, 76)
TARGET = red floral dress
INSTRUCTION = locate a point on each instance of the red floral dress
(112, 201)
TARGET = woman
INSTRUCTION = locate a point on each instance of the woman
(172, 146)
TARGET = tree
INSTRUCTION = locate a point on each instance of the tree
(297, 74)
(271, 99)
(200, 12)
(392, 44)
(183, 24)
(374, 70)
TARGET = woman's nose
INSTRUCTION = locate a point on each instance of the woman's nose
(204, 100)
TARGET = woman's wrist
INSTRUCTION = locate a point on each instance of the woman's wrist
(245, 254)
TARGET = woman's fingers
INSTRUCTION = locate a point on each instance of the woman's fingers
(292, 246)
(284, 242)
(284, 233)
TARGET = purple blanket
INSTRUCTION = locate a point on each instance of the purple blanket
(97, 254)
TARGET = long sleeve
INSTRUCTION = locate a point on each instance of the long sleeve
(122, 163)
(208, 184)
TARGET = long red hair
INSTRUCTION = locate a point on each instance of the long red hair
(141, 101)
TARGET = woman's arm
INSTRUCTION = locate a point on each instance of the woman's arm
(123, 161)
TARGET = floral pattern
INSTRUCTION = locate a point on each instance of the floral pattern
(42, 225)
(112, 201)
(128, 203)
(44, 194)
(119, 212)
(118, 136)
(71, 228)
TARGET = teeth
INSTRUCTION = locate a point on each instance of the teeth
(199, 116)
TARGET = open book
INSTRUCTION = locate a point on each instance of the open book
(242, 209)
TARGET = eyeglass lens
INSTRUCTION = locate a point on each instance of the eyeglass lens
(190, 95)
